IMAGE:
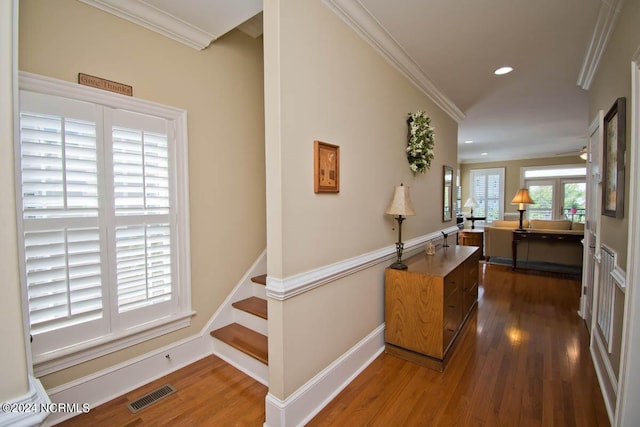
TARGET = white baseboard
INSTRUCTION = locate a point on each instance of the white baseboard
(244, 289)
(26, 410)
(105, 385)
(606, 376)
(308, 400)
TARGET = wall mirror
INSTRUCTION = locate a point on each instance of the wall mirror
(447, 204)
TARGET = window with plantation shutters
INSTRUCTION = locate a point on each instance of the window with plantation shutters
(103, 262)
(487, 186)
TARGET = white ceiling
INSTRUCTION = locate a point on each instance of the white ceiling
(538, 110)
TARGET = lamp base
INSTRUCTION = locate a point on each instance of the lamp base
(398, 265)
(521, 215)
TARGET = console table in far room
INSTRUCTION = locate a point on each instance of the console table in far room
(520, 235)
(473, 220)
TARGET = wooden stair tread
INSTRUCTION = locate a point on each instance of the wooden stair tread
(254, 305)
(261, 279)
(244, 339)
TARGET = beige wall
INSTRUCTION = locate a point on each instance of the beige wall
(613, 80)
(13, 369)
(511, 175)
(325, 83)
(221, 88)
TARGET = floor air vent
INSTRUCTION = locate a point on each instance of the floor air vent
(151, 398)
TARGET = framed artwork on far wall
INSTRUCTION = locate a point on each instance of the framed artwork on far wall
(326, 167)
(615, 131)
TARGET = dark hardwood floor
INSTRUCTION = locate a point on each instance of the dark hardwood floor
(521, 360)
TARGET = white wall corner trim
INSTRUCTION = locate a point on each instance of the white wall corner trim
(300, 407)
(627, 408)
(605, 23)
(356, 16)
(282, 289)
(156, 20)
(30, 409)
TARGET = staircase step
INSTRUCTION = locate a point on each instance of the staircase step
(245, 340)
(261, 279)
(254, 305)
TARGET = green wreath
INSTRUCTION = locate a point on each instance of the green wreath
(420, 145)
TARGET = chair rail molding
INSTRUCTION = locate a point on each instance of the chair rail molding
(282, 289)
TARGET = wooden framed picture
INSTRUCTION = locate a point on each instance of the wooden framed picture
(613, 160)
(326, 170)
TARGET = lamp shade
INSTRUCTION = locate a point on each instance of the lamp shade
(583, 153)
(471, 203)
(522, 197)
(401, 202)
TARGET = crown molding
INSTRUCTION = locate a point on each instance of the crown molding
(155, 20)
(252, 27)
(356, 16)
(607, 17)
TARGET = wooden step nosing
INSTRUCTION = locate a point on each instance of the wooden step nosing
(260, 279)
(248, 305)
(235, 335)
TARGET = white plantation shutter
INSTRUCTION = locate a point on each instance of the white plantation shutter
(141, 172)
(58, 160)
(143, 265)
(63, 276)
(99, 220)
(142, 210)
(487, 186)
(59, 177)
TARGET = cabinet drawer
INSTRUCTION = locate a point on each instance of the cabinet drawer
(469, 298)
(471, 239)
(470, 273)
(452, 316)
(453, 281)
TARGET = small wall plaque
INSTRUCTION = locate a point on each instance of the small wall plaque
(104, 84)
(326, 167)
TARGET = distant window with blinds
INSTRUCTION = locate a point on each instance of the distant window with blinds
(487, 186)
(99, 221)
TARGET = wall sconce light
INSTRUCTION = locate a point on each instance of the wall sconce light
(522, 198)
(401, 206)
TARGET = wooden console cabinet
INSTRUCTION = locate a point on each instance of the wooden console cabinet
(427, 305)
(472, 238)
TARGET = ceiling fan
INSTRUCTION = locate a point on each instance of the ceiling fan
(582, 153)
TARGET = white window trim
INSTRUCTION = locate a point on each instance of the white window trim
(72, 355)
(524, 169)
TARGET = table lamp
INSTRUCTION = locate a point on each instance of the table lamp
(471, 203)
(522, 198)
(401, 206)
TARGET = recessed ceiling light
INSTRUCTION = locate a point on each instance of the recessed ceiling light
(468, 142)
(503, 70)
(483, 154)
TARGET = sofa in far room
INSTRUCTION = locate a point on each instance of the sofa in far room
(498, 238)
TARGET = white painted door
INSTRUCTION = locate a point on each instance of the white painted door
(592, 221)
